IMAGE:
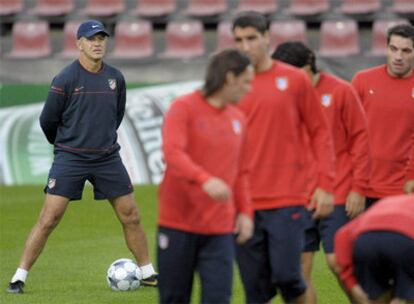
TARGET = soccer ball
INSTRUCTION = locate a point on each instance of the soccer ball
(124, 275)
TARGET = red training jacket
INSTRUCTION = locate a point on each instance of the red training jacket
(394, 214)
(389, 105)
(199, 142)
(282, 110)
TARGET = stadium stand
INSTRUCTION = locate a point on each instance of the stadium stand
(30, 40)
(359, 6)
(184, 39)
(133, 40)
(70, 50)
(285, 30)
(205, 8)
(224, 35)
(154, 8)
(10, 7)
(339, 38)
(307, 7)
(262, 6)
(103, 8)
(53, 7)
(379, 35)
(403, 6)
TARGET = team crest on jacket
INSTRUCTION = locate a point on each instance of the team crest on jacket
(236, 126)
(51, 183)
(326, 100)
(112, 83)
(282, 83)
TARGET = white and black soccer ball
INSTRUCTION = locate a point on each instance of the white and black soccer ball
(124, 275)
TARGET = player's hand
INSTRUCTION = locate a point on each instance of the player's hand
(359, 295)
(409, 186)
(322, 202)
(217, 189)
(244, 228)
(355, 204)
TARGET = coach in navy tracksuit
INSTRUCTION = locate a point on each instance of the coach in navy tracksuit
(83, 111)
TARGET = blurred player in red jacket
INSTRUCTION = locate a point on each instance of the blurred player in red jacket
(375, 252)
(204, 196)
(387, 94)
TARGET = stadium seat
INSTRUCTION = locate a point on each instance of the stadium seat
(133, 39)
(10, 7)
(307, 7)
(379, 35)
(204, 8)
(30, 40)
(287, 30)
(224, 35)
(403, 6)
(184, 39)
(103, 8)
(339, 38)
(359, 6)
(70, 50)
(261, 6)
(53, 7)
(154, 8)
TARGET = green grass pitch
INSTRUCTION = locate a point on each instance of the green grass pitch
(72, 267)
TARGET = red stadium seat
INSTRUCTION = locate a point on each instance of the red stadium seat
(200, 8)
(53, 7)
(261, 6)
(307, 7)
(133, 39)
(184, 39)
(287, 30)
(70, 50)
(403, 6)
(359, 6)
(339, 38)
(379, 35)
(224, 35)
(103, 8)
(10, 7)
(30, 40)
(155, 8)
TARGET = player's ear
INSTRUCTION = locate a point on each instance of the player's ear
(230, 78)
(79, 44)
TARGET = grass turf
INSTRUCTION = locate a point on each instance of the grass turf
(72, 267)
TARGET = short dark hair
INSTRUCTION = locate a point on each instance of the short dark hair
(251, 19)
(402, 30)
(296, 53)
(228, 60)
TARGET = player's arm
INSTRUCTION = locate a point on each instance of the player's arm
(343, 256)
(355, 122)
(244, 221)
(175, 147)
(322, 146)
(51, 115)
(121, 102)
(409, 184)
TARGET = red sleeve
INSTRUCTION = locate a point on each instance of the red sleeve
(175, 144)
(356, 83)
(343, 254)
(355, 122)
(410, 165)
(319, 133)
(241, 190)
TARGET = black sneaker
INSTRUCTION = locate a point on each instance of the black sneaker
(151, 281)
(15, 287)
